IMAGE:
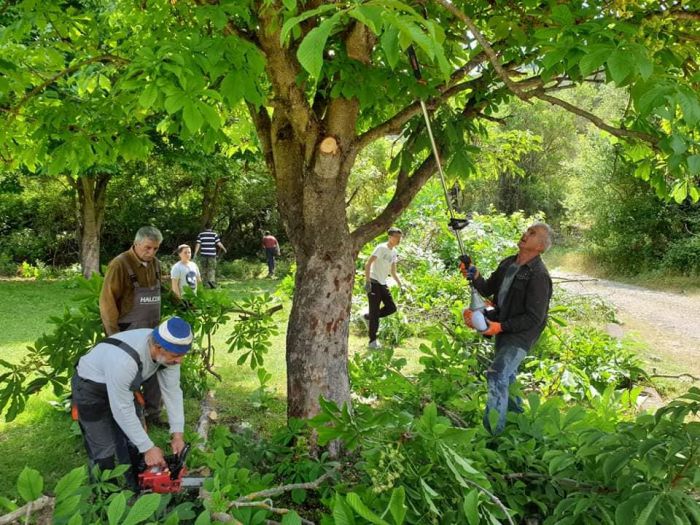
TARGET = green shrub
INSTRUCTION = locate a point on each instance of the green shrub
(683, 256)
(8, 268)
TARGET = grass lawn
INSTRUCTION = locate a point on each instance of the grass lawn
(41, 430)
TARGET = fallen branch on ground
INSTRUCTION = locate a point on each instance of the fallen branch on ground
(670, 376)
(26, 510)
(204, 418)
(254, 499)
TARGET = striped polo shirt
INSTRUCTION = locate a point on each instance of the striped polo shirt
(208, 241)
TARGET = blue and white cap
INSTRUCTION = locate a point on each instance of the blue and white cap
(173, 335)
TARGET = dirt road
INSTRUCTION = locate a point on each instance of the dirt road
(668, 322)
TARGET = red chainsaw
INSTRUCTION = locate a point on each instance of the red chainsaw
(170, 479)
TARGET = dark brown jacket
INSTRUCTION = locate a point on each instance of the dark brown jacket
(117, 295)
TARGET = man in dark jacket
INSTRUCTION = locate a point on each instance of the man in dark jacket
(521, 289)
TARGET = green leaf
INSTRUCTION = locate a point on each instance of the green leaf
(174, 102)
(648, 515)
(643, 171)
(397, 505)
(310, 52)
(203, 519)
(291, 5)
(291, 518)
(620, 65)
(143, 509)
(192, 117)
(369, 15)
(116, 508)
(390, 45)
(289, 24)
(470, 506)
(562, 15)
(67, 506)
(690, 106)
(211, 115)
(342, 513)
(77, 519)
(694, 164)
(614, 463)
(149, 95)
(594, 59)
(105, 83)
(30, 484)
(69, 483)
(232, 88)
(678, 144)
(680, 192)
(358, 506)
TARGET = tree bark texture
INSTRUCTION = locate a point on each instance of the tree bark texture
(92, 191)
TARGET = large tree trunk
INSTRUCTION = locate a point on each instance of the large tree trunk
(92, 192)
(211, 190)
(310, 149)
(317, 335)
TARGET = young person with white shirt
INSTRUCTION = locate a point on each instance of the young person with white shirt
(380, 264)
(184, 272)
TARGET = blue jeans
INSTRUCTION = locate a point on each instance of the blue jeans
(500, 375)
(271, 253)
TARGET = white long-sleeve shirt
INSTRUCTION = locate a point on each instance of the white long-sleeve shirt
(115, 368)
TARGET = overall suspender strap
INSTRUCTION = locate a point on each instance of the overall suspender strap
(136, 383)
(132, 275)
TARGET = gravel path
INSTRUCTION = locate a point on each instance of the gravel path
(668, 322)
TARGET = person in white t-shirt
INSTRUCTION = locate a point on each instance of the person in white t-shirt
(380, 264)
(184, 273)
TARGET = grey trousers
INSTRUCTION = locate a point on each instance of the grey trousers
(103, 437)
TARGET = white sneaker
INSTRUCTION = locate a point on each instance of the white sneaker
(374, 344)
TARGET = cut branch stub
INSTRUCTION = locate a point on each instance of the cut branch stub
(329, 146)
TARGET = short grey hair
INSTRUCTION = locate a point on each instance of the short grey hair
(548, 233)
(148, 232)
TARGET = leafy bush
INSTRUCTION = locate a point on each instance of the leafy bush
(8, 268)
(683, 256)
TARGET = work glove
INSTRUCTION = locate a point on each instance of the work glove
(368, 287)
(467, 316)
(469, 272)
(493, 329)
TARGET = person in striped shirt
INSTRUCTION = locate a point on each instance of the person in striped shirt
(207, 242)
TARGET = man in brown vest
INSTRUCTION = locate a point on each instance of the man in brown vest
(130, 299)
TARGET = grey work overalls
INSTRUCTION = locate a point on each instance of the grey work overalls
(145, 309)
(103, 437)
(144, 313)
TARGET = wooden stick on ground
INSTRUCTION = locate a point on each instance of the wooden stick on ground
(31, 507)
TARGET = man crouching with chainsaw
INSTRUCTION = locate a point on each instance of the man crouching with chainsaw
(109, 405)
(521, 289)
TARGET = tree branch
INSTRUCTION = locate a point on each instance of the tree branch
(282, 70)
(517, 87)
(597, 121)
(69, 70)
(263, 125)
(490, 53)
(402, 197)
(26, 510)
